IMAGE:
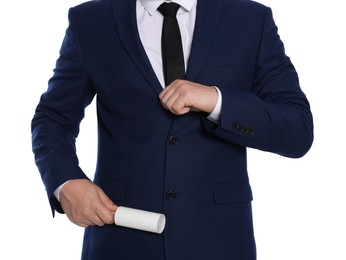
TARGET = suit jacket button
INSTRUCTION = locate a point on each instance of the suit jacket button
(173, 139)
(170, 195)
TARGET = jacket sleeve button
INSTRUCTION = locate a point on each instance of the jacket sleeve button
(249, 132)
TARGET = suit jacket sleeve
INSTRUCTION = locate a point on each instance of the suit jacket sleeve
(55, 125)
(275, 115)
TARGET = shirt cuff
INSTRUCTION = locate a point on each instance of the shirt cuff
(215, 115)
(57, 191)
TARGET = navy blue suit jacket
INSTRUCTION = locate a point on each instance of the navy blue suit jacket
(190, 169)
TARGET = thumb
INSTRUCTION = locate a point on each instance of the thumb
(107, 202)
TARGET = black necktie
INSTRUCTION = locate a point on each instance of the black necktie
(172, 50)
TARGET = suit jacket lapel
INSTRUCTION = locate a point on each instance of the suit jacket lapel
(208, 13)
(126, 24)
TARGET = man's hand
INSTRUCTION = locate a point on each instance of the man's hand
(85, 203)
(182, 96)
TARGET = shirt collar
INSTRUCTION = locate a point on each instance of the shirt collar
(151, 5)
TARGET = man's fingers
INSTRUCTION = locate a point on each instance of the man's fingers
(169, 100)
(107, 202)
(166, 95)
(179, 106)
(106, 216)
(86, 204)
(183, 96)
(98, 215)
(174, 98)
(107, 209)
(84, 224)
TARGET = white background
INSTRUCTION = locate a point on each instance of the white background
(299, 205)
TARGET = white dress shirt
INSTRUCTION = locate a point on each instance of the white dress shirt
(149, 23)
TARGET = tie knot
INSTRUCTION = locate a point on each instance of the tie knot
(168, 9)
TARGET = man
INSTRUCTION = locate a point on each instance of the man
(179, 147)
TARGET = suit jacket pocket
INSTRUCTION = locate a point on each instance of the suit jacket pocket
(232, 192)
(228, 61)
(114, 190)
